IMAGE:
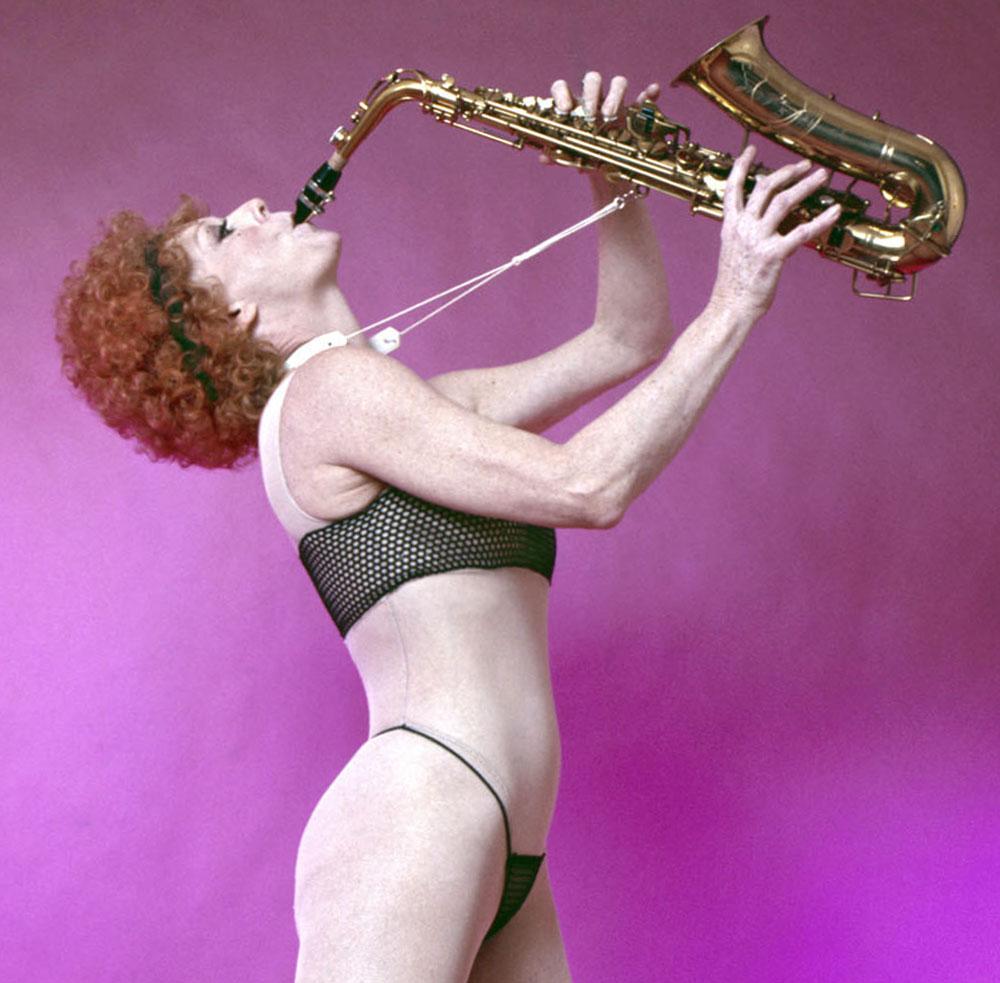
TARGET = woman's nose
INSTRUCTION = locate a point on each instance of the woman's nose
(252, 210)
(258, 208)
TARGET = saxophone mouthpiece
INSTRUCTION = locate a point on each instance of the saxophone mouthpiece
(316, 195)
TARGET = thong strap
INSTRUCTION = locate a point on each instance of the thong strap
(522, 868)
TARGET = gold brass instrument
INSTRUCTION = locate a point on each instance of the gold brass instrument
(652, 151)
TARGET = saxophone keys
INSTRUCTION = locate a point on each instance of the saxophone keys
(687, 157)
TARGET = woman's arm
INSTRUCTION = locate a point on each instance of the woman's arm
(658, 414)
(537, 393)
(631, 328)
(372, 414)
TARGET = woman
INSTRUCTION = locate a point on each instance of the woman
(424, 512)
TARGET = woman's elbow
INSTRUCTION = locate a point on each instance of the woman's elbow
(597, 506)
(604, 514)
(591, 498)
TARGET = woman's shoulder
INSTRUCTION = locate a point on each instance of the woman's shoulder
(354, 395)
(310, 412)
(338, 372)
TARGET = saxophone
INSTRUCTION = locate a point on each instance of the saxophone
(653, 152)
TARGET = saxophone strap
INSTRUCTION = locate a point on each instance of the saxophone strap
(389, 338)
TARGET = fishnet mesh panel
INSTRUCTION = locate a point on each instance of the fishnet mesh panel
(522, 869)
(356, 561)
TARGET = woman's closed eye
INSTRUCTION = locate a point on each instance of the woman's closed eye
(224, 229)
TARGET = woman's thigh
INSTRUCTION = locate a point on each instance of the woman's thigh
(529, 948)
(399, 869)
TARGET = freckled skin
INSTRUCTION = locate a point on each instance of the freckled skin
(400, 868)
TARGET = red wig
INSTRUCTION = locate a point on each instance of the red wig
(118, 350)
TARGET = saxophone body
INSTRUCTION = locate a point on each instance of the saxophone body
(651, 151)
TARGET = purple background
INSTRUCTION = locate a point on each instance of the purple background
(777, 678)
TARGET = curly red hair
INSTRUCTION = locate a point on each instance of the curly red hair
(117, 349)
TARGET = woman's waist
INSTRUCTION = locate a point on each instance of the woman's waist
(460, 611)
(465, 653)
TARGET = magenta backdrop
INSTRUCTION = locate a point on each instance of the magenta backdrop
(777, 677)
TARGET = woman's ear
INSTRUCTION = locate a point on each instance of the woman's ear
(243, 313)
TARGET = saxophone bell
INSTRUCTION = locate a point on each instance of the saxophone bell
(909, 171)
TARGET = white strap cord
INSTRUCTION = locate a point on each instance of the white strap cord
(388, 339)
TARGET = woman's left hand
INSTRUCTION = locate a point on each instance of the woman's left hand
(594, 104)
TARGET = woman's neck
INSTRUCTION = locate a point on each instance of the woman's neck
(313, 314)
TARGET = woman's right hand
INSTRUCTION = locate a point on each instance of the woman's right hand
(753, 251)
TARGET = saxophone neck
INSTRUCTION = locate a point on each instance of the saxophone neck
(402, 85)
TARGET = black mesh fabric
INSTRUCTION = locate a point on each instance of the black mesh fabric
(356, 561)
(522, 869)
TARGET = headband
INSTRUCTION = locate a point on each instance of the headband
(166, 299)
